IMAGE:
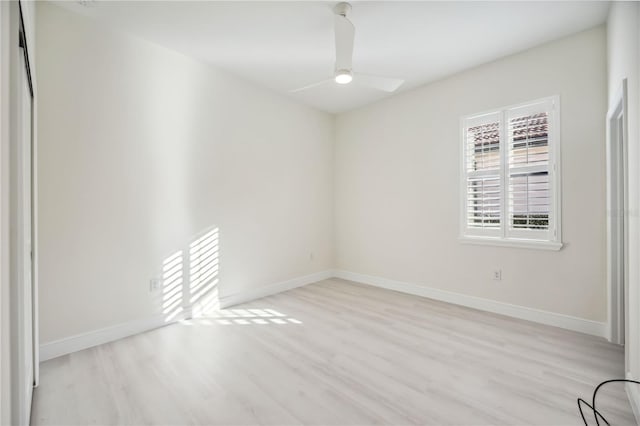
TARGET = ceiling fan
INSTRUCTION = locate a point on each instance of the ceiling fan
(345, 33)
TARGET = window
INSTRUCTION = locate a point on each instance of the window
(511, 176)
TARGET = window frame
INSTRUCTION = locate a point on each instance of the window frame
(550, 239)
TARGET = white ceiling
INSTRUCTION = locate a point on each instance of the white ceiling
(286, 45)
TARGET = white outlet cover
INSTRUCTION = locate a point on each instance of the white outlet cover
(155, 284)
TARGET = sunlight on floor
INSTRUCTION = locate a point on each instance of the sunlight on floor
(248, 316)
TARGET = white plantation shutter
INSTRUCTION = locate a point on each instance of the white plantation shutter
(529, 182)
(483, 202)
(510, 187)
(482, 166)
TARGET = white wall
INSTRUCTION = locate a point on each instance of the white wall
(623, 47)
(397, 183)
(141, 150)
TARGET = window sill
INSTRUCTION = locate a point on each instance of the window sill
(512, 242)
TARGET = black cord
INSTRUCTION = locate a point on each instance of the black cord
(592, 406)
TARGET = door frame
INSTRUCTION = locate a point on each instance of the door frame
(27, 17)
(5, 317)
(15, 16)
(22, 276)
(617, 218)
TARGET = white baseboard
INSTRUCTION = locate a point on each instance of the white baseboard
(104, 335)
(108, 334)
(633, 393)
(258, 293)
(535, 315)
(93, 338)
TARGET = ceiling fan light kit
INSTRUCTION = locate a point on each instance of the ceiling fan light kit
(343, 76)
(344, 36)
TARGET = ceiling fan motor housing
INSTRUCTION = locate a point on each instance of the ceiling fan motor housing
(342, 9)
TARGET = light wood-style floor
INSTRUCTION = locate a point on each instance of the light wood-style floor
(336, 353)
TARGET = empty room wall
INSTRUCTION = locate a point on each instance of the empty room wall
(142, 151)
(623, 47)
(397, 198)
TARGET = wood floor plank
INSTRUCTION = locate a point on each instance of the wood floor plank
(336, 353)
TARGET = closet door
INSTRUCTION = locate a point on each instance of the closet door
(24, 246)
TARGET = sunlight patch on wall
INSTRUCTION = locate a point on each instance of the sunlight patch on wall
(172, 286)
(190, 281)
(190, 289)
(203, 273)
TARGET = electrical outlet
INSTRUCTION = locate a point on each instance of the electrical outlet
(310, 256)
(155, 284)
(497, 274)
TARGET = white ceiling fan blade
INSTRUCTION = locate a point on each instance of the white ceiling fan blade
(345, 33)
(387, 84)
(310, 86)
